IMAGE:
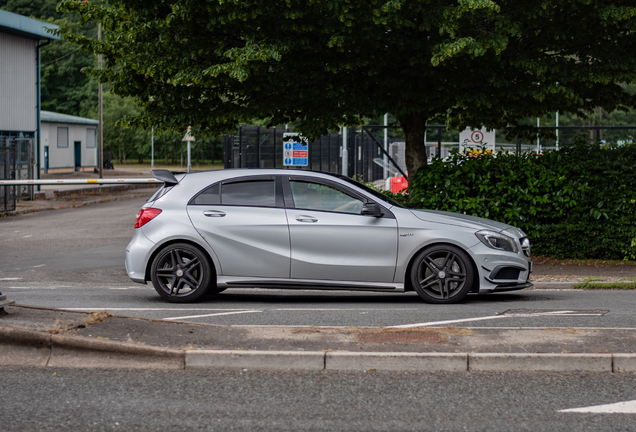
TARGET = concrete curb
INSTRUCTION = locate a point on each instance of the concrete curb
(233, 359)
(21, 347)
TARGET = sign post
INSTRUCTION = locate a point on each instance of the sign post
(475, 140)
(188, 138)
(295, 150)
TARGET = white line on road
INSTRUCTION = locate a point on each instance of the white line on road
(434, 323)
(38, 266)
(151, 309)
(627, 407)
(10, 279)
(212, 315)
(565, 313)
(38, 288)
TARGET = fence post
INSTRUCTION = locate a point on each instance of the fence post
(518, 144)
(258, 146)
(439, 142)
(240, 146)
(275, 154)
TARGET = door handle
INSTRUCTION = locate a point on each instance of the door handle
(305, 218)
(213, 213)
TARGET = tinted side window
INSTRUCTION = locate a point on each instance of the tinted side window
(209, 196)
(259, 193)
(314, 196)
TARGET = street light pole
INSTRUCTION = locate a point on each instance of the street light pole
(100, 113)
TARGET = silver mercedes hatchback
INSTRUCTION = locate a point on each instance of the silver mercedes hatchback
(206, 232)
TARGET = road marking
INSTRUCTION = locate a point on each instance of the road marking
(550, 312)
(38, 266)
(512, 313)
(38, 288)
(212, 315)
(153, 309)
(10, 279)
(434, 323)
(627, 407)
(27, 236)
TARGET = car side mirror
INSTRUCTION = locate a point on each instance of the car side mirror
(371, 209)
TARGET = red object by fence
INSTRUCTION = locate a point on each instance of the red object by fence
(398, 184)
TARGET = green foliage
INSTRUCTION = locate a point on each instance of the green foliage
(579, 202)
(214, 64)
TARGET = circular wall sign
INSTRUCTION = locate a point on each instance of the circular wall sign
(477, 137)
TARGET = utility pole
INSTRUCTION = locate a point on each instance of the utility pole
(100, 113)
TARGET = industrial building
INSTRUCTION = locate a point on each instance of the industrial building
(21, 39)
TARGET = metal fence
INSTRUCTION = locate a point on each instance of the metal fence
(618, 135)
(8, 165)
(368, 161)
(257, 147)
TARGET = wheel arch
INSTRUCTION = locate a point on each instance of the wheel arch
(408, 286)
(160, 247)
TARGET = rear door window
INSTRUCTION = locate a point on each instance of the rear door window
(254, 193)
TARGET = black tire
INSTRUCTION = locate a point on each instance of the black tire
(181, 273)
(442, 274)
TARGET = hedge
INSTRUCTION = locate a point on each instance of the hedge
(578, 202)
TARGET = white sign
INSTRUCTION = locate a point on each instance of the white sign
(295, 150)
(188, 136)
(476, 140)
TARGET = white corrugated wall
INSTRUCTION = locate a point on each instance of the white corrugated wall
(17, 83)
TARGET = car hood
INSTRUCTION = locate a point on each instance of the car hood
(463, 220)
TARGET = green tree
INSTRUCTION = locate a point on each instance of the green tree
(322, 63)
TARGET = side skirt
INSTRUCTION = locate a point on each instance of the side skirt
(236, 282)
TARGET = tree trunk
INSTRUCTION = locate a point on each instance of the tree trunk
(414, 126)
(165, 154)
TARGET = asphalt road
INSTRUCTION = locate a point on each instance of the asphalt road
(48, 399)
(73, 259)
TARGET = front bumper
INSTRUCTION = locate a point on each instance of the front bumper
(501, 271)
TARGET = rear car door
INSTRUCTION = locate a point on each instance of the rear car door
(244, 222)
(331, 240)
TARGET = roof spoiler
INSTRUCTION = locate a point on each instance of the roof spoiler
(165, 176)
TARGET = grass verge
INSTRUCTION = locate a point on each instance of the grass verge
(582, 262)
(599, 283)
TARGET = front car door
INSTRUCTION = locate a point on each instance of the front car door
(331, 240)
(244, 222)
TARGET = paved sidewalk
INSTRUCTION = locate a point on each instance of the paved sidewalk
(52, 337)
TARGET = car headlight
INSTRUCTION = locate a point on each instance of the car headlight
(497, 241)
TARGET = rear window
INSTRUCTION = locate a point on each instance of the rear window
(257, 193)
(209, 196)
(160, 192)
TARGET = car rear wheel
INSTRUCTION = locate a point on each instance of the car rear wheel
(442, 274)
(181, 273)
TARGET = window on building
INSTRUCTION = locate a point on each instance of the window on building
(91, 138)
(62, 137)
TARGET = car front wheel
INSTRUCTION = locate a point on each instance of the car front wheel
(442, 274)
(181, 273)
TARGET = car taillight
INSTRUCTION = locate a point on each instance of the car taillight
(145, 215)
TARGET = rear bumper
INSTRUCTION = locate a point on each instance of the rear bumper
(137, 251)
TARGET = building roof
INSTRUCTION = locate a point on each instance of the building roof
(53, 117)
(29, 28)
